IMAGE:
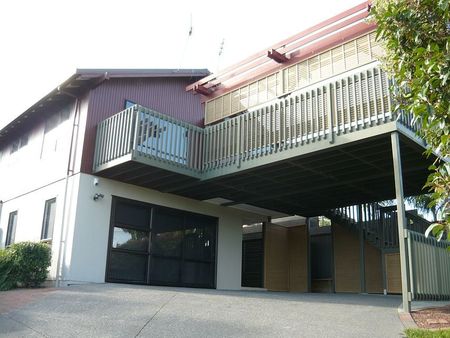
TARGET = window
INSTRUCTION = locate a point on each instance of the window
(49, 219)
(129, 104)
(53, 133)
(11, 232)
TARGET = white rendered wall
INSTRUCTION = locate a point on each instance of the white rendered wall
(86, 261)
(30, 214)
(38, 172)
(44, 159)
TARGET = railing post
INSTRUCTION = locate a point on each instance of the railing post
(401, 220)
(238, 140)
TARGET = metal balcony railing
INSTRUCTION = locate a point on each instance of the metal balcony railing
(350, 103)
(142, 132)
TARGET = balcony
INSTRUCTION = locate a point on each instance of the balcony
(333, 135)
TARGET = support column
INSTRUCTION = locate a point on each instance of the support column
(401, 221)
(362, 257)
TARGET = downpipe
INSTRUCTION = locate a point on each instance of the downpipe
(63, 233)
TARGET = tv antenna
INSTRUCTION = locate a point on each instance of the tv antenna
(220, 53)
(187, 41)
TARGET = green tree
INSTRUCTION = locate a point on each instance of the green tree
(422, 204)
(416, 39)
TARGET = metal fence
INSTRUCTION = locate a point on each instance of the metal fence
(429, 267)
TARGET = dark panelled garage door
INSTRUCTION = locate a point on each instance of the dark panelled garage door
(156, 245)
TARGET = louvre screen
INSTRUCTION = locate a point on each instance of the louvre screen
(342, 58)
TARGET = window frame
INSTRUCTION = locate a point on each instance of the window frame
(45, 219)
(11, 230)
(128, 104)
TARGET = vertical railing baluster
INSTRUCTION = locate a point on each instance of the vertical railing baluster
(240, 139)
(312, 112)
(389, 97)
(101, 142)
(308, 115)
(277, 127)
(207, 149)
(292, 125)
(124, 132)
(229, 140)
(382, 99)
(114, 136)
(281, 118)
(369, 110)
(375, 99)
(354, 122)
(287, 121)
(323, 103)
(253, 131)
(119, 135)
(347, 94)
(330, 112)
(318, 112)
(219, 145)
(360, 123)
(302, 120)
(108, 141)
(166, 132)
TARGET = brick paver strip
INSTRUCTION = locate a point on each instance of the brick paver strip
(14, 299)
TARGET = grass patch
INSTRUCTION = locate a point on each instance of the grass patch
(421, 333)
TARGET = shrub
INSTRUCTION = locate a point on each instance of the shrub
(30, 263)
(7, 279)
(421, 333)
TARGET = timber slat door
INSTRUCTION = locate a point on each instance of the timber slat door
(393, 274)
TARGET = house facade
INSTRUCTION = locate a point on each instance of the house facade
(148, 176)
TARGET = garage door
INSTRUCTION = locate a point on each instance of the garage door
(156, 245)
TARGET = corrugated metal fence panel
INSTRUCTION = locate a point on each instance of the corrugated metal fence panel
(165, 95)
(429, 267)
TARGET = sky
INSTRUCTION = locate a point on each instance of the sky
(43, 42)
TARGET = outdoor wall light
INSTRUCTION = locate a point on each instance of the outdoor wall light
(98, 197)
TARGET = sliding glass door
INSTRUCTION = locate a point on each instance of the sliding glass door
(156, 245)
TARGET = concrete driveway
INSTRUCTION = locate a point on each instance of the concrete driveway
(114, 310)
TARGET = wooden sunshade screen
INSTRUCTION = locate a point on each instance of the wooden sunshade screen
(348, 56)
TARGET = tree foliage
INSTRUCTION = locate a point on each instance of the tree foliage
(416, 39)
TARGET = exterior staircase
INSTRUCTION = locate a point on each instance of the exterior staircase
(378, 223)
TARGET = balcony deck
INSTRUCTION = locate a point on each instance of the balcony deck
(324, 146)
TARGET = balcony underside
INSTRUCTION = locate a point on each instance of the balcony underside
(347, 172)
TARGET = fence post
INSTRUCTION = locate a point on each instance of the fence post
(412, 278)
(401, 221)
(362, 251)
